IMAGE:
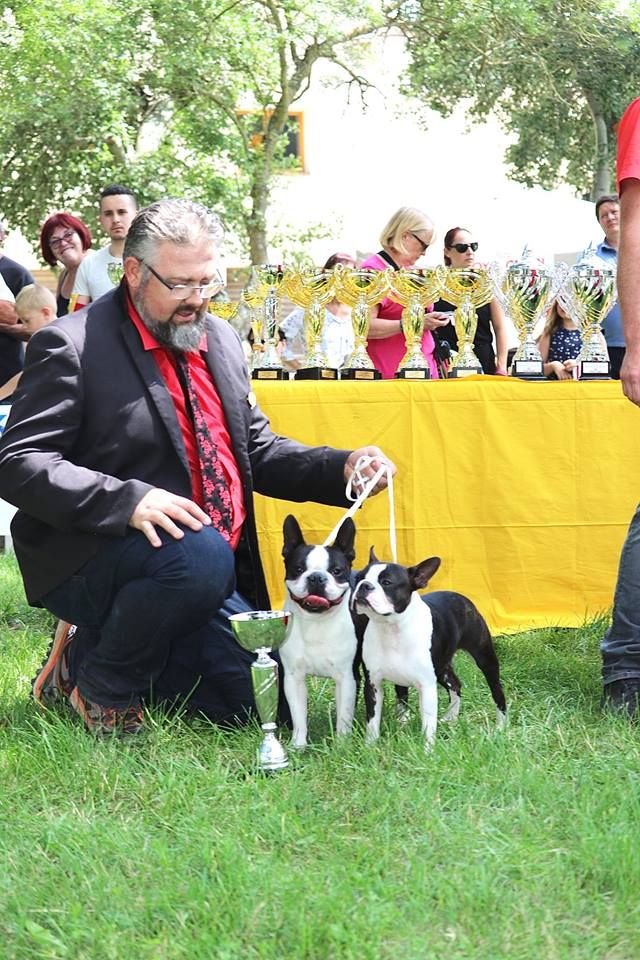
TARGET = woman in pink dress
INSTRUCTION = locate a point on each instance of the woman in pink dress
(404, 240)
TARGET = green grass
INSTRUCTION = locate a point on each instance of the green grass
(517, 844)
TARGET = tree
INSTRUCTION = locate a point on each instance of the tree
(148, 93)
(558, 74)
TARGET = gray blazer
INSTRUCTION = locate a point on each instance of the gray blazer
(93, 429)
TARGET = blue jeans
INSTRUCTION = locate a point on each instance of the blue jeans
(156, 620)
(621, 644)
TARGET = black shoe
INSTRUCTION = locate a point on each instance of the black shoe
(622, 696)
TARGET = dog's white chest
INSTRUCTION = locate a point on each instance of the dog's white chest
(398, 648)
(320, 645)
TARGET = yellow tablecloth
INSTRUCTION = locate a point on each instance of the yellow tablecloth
(525, 490)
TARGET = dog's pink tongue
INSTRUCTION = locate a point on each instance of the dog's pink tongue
(318, 602)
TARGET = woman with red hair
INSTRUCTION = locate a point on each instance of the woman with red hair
(65, 240)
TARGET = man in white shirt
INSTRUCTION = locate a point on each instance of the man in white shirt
(118, 207)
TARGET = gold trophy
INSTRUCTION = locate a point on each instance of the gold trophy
(415, 289)
(115, 271)
(361, 290)
(525, 289)
(312, 289)
(466, 290)
(225, 309)
(263, 294)
(588, 294)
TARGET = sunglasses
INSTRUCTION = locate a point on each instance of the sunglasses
(463, 247)
(425, 246)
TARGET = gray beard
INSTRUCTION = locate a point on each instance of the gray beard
(182, 338)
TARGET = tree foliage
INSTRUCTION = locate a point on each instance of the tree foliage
(558, 73)
(149, 93)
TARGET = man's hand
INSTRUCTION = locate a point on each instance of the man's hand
(159, 508)
(630, 375)
(378, 459)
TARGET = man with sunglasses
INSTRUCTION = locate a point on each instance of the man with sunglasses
(132, 452)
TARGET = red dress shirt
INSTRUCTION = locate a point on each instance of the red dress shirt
(213, 413)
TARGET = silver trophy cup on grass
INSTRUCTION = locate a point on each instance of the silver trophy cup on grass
(261, 631)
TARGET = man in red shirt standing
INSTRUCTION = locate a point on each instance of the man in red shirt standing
(133, 451)
(621, 644)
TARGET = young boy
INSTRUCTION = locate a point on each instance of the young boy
(36, 307)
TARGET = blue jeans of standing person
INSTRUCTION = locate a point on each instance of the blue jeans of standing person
(157, 626)
(621, 645)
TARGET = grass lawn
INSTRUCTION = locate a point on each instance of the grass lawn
(518, 844)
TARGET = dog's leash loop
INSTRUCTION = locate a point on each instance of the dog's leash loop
(357, 479)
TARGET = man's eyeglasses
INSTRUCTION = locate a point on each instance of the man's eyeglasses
(463, 247)
(66, 237)
(425, 246)
(181, 291)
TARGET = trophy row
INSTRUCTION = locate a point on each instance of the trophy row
(525, 288)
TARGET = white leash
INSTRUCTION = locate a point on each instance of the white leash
(358, 479)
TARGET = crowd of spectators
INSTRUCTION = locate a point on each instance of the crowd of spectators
(85, 273)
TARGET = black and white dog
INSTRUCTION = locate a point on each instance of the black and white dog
(321, 638)
(411, 640)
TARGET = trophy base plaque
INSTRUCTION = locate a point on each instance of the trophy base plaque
(456, 372)
(415, 373)
(528, 369)
(269, 373)
(594, 370)
(316, 373)
(360, 373)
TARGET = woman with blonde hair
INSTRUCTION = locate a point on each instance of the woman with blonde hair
(404, 239)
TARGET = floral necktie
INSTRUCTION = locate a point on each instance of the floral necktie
(217, 498)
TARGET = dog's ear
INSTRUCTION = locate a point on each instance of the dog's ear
(372, 556)
(422, 572)
(345, 539)
(292, 535)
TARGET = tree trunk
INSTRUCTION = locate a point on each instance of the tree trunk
(601, 164)
(257, 220)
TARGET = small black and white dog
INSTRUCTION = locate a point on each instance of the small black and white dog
(411, 640)
(321, 638)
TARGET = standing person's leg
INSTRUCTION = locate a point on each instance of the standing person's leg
(141, 598)
(621, 644)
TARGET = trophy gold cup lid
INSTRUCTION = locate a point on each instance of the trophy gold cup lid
(528, 263)
(589, 262)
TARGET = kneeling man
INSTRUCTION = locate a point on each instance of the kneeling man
(133, 450)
